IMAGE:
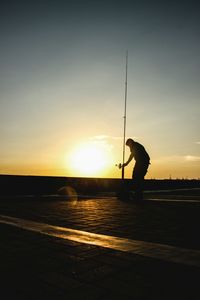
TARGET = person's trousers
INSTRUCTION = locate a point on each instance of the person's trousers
(138, 175)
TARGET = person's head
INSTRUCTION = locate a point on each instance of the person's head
(130, 143)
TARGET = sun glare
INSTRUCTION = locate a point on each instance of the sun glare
(89, 160)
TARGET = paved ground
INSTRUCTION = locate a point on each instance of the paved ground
(36, 265)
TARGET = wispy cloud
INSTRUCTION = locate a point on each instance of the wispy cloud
(198, 143)
(109, 137)
(102, 141)
(178, 159)
(105, 137)
(192, 158)
(100, 137)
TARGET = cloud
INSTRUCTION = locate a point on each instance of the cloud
(105, 137)
(168, 159)
(102, 141)
(192, 158)
(110, 138)
(198, 143)
(178, 159)
(99, 137)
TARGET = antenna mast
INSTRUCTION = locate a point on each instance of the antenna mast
(125, 105)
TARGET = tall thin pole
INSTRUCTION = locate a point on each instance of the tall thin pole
(125, 106)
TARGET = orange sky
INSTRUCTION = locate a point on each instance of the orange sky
(62, 69)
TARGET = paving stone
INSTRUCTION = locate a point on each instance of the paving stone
(37, 266)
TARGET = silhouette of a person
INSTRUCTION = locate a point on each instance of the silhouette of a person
(142, 161)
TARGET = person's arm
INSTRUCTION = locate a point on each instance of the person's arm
(129, 160)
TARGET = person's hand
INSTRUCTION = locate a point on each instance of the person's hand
(122, 166)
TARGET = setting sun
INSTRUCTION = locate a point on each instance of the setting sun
(90, 159)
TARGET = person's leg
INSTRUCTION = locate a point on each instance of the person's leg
(139, 187)
(123, 192)
(139, 172)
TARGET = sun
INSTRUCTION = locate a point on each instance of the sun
(89, 160)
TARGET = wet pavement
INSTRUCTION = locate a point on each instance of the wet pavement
(34, 264)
